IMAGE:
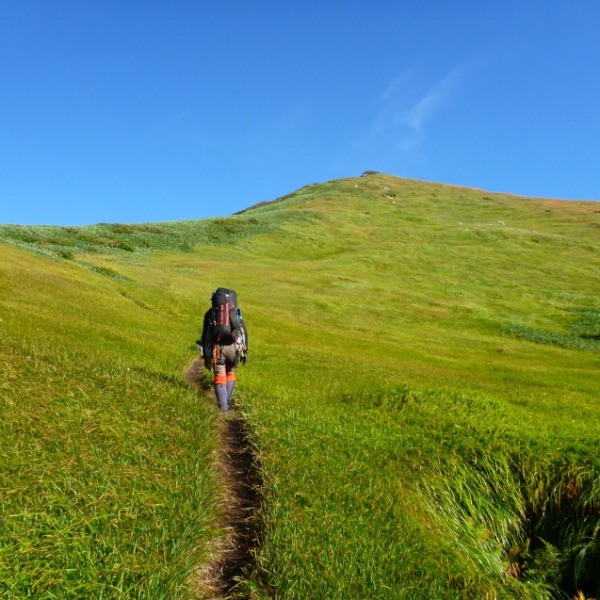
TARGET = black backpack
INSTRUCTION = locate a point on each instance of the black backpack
(225, 317)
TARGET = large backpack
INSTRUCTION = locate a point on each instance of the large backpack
(225, 317)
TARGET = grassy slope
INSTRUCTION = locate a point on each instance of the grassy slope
(106, 480)
(413, 436)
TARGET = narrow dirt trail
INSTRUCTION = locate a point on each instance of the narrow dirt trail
(232, 553)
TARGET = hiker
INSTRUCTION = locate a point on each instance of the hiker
(224, 343)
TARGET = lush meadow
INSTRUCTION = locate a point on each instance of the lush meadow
(422, 392)
(106, 478)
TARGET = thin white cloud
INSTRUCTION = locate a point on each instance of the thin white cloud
(398, 84)
(431, 102)
(403, 110)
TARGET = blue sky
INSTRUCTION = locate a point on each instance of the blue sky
(142, 111)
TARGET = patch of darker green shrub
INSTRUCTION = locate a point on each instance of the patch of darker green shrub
(585, 336)
(587, 325)
(121, 228)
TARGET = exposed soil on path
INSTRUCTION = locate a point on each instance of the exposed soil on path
(233, 553)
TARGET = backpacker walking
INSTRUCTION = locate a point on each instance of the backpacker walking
(224, 343)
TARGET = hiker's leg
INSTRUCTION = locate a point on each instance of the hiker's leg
(230, 354)
(221, 382)
(221, 394)
(230, 385)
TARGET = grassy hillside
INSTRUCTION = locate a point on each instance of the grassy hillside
(422, 392)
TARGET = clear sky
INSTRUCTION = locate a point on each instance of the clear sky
(131, 111)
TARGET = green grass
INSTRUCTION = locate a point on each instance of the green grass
(97, 501)
(422, 394)
(106, 479)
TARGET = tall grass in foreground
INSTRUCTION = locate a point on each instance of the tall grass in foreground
(98, 499)
(393, 492)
